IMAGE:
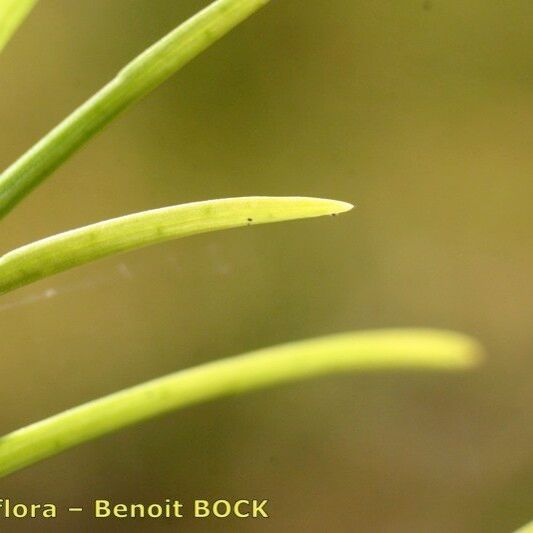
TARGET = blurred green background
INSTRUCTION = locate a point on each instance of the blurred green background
(420, 112)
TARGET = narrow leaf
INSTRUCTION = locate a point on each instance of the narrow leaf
(12, 14)
(76, 247)
(138, 78)
(364, 351)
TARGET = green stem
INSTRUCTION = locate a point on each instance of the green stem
(377, 350)
(12, 14)
(138, 78)
(55, 254)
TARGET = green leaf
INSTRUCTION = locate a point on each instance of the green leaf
(12, 14)
(143, 74)
(60, 252)
(363, 351)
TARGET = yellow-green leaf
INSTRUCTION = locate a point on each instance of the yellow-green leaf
(66, 250)
(363, 351)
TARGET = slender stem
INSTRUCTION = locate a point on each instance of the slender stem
(138, 78)
(377, 350)
(54, 254)
(12, 15)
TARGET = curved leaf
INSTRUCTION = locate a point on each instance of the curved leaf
(72, 248)
(373, 350)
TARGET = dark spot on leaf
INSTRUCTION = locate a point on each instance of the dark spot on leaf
(250, 220)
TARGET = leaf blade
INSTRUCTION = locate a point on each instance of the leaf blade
(72, 248)
(364, 351)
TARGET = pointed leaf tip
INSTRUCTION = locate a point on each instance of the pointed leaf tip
(342, 207)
